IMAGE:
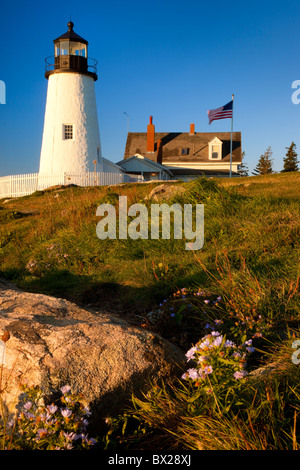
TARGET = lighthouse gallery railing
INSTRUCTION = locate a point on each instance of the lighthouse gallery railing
(51, 63)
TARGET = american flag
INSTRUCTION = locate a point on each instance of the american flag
(220, 113)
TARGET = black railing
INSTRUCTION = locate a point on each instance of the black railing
(71, 62)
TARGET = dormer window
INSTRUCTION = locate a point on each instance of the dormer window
(215, 149)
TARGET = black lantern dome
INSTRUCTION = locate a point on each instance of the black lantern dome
(71, 55)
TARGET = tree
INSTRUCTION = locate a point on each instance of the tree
(243, 169)
(264, 165)
(290, 162)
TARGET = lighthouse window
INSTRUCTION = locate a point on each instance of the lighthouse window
(64, 48)
(68, 131)
(77, 48)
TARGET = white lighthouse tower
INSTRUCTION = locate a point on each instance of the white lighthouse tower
(71, 138)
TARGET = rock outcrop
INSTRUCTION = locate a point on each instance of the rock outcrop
(165, 192)
(53, 343)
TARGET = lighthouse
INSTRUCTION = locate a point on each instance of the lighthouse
(71, 137)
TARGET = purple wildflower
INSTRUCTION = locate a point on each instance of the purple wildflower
(191, 353)
(66, 413)
(52, 409)
(65, 389)
(239, 374)
(193, 374)
(28, 405)
(208, 369)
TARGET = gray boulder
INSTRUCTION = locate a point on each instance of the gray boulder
(164, 192)
(53, 343)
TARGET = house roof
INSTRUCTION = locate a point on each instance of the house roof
(174, 142)
(71, 35)
(149, 165)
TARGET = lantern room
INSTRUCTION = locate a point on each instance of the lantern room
(70, 55)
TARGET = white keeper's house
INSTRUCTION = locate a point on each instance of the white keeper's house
(181, 155)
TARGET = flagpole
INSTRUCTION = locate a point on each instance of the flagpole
(231, 139)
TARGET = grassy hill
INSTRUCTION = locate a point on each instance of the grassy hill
(246, 277)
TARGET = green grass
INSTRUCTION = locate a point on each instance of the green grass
(250, 258)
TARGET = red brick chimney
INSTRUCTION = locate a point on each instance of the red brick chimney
(150, 136)
(192, 129)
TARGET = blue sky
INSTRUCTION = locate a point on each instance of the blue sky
(170, 59)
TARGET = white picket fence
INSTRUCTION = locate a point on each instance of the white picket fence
(23, 185)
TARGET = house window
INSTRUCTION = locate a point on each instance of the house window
(185, 151)
(68, 131)
(98, 154)
(215, 149)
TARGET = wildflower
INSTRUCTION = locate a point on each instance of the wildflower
(215, 333)
(52, 409)
(218, 322)
(193, 374)
(191, 353)
(218, 341)
(249, 347)
(239, 374)
(92, 441)
(204, 344)
(84, 423)
(208, 369)
(70, 436)
(202, 359)
(66, 413)
(257, 335)
(206, 301)
(42, 432)
(87, 411)
(229, 344)
(28, 405)
(236, 354)
(65, 389)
